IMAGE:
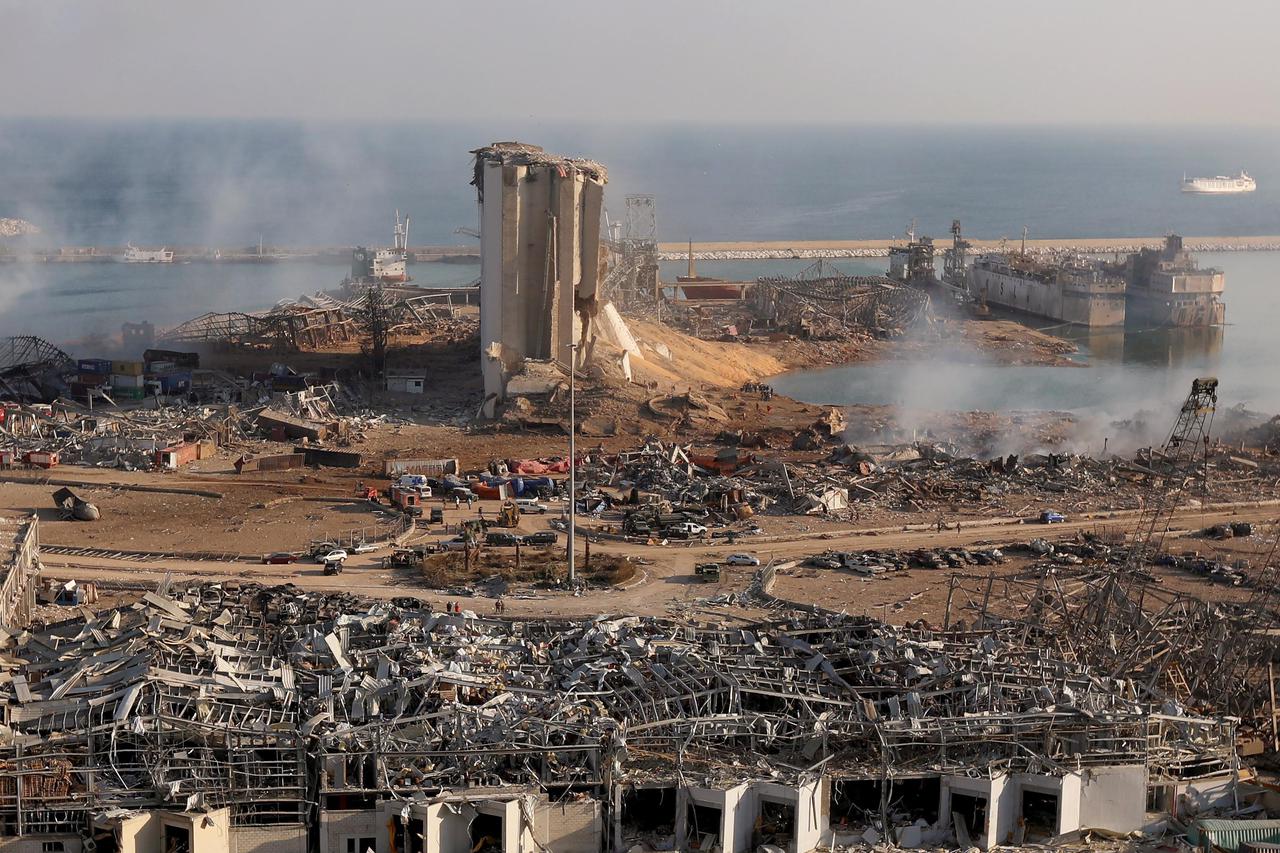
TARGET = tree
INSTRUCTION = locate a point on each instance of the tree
(375, 327)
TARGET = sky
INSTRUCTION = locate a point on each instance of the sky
(981, 61)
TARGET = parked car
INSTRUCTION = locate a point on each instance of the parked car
(280, 558)
(456, 544)
(685, 529)
(501, 539)
(437, 516)
(365, 548)
(337, 555)
(1050, 516)
(742, 560)
(333, 567)
(530, 505)
(542, 537)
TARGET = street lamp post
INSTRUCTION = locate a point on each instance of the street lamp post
(573, 458)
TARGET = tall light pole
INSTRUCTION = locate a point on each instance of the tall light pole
(573, 458)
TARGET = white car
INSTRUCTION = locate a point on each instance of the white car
(365, 548)
(742, 560)
(335, 556)
(530, 505)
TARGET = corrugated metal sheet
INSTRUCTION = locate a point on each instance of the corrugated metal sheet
(1230, 834)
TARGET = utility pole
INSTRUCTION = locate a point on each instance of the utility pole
(573, 458)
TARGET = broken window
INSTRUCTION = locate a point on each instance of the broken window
(854, 802)
(1039, 814)
(969, 816)
(486, 834)
(916, 799)
(702, 827)
(649, 814)
(177, 839)
(776, 824)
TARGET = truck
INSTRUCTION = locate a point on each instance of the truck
(707, 572)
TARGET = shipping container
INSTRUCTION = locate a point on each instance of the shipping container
(126, 380)
(41, 458)
(93, 379)
(178, 455)
(1230, 835)
(94, 365)
(128, 368)
(128, 393)
(175, 383)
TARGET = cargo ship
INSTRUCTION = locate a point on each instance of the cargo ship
(389, 266)
(134, 255)
(1221, 184)
(1166, 287)
(1068, 290)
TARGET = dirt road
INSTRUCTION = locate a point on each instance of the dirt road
(666, 578)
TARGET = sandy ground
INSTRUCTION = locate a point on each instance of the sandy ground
(665, 582)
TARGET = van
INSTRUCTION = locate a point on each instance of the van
(530, 505)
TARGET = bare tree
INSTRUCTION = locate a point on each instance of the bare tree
(375, 328)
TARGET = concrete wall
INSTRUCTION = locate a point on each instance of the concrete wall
(573, 826)
(448, 827)
(1113, 798)
(139, 833)
(335, 825)
(269, 839)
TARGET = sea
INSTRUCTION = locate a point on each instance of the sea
(232, 184)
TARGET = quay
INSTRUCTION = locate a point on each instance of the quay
(704, 251)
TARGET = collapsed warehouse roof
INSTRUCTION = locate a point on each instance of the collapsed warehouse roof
(219, 692)
(32, 369)
(823, 302)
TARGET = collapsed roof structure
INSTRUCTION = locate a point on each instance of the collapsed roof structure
(823, 302)
(283, 712)
(31, 368)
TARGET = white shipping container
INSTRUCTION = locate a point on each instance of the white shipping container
(120, 380)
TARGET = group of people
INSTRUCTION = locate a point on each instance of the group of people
(499, 606)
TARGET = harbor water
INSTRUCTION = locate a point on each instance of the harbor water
(1124, 373)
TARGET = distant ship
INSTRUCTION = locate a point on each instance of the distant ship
(389, 266)
(1167, 288)
(134, 255)
(1240, 183)
(696, 287)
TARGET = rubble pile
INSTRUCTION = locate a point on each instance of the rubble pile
(252, 698)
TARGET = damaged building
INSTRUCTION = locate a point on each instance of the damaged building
(240, 718)
(541, 261)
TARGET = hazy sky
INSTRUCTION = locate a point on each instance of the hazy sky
(1074, 61)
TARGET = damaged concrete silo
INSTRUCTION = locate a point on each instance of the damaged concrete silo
(540, 257)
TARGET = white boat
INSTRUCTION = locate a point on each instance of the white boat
(1240, 183)
(134, 255)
